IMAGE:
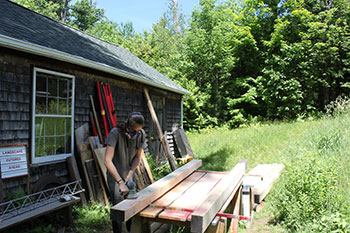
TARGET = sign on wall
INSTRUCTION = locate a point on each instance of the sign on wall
(13, 161)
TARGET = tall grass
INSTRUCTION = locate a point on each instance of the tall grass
(309, 146)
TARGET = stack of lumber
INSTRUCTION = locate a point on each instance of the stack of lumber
(261, 178)
(185, 196)
(92, 175)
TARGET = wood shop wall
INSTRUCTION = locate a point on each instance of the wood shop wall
(48, 71)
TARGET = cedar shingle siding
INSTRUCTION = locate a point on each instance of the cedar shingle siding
(29, 40)
(16, 70)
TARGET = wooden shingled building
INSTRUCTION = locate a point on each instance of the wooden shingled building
(48, 71)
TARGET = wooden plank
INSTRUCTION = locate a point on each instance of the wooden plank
(87, 155)
(262, 178)
(234, 222)
(129, 208)
(171, 196)
(159, 130)
(176, 215)
(96, 119)
(139, 178)
(82, 134)
(182, 143)
(197, 192)
(92, 179)
(75, 175)
(218, 228)
(143, 173)
(95, 142)
(192, 197)
(146, 165)
(232, 199)
(99, 169)
(29, 215)
(208, 209)
(83, 147)
(100, 156)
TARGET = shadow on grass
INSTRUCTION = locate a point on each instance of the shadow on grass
(216, 161)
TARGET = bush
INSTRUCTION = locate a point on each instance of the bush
(158, 170)
(89, 217)
(336, 222)
(308, 192)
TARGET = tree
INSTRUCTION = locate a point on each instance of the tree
(85, 14)
(306, 50)
(220, 53)
(44, 7)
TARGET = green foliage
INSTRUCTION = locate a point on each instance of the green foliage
(48, 8)
(15, 195)
(283, 101)
(91, 217)
(85, 14)
(335, 222)
(308, 192)
(158, 170)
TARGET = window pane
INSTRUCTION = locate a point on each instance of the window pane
(50, 126)
(40, 107)
(63, 88)
(63, 108)
(53, 106)
(50, 146)
(61, 126)
(41, 84)
(39, 126)
(40, 147)
(52, 85)
(61, 145)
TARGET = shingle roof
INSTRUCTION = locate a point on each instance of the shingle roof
(26, 26)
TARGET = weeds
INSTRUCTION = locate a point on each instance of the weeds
(90, 218)
(308, 191)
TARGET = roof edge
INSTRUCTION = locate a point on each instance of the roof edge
(29, 47)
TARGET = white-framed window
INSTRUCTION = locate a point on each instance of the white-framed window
(53, 116)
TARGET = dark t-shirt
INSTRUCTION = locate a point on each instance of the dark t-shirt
(125, 149)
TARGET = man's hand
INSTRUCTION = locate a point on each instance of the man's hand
(123, 188)
(129, 176)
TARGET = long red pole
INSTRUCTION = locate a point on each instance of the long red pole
(231, 216)
(108, 105)
(103, 113)
(114, 114)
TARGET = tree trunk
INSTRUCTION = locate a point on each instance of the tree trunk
(176, 20)
(323, 97)
(64, 10)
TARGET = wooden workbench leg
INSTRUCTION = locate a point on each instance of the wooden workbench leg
(139, 225)
(220, 227)
(236, 207)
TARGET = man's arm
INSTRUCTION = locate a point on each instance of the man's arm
(113, 170)
(134, 164)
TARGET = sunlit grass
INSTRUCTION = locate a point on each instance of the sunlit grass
(280, 142)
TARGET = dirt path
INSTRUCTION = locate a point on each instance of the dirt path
(262, 222)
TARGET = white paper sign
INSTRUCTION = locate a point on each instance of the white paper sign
(13, 162)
